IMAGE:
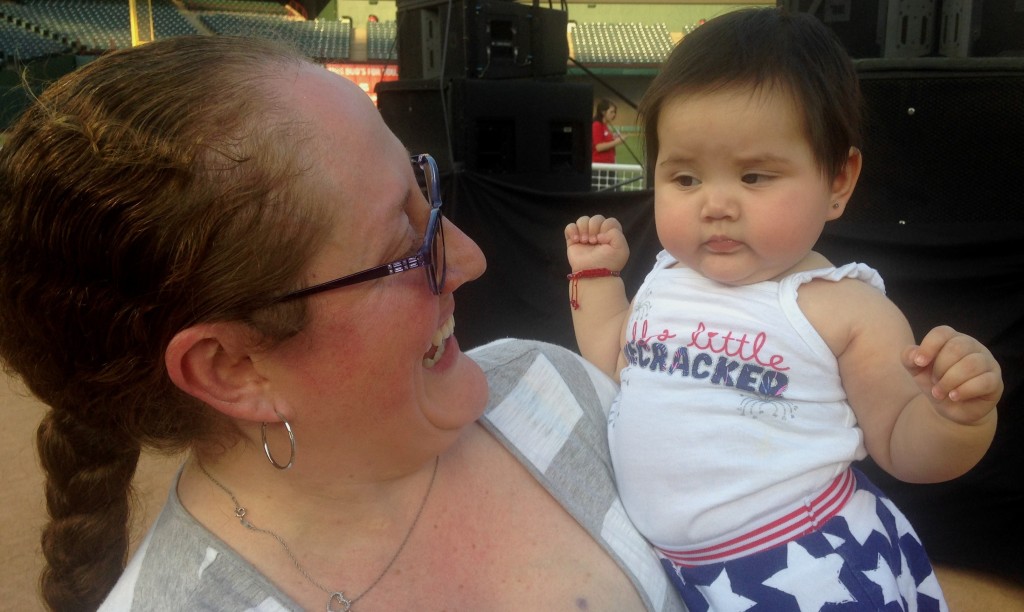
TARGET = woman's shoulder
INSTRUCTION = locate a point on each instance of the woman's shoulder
(548, 408)
(512, 365)
(182, 565)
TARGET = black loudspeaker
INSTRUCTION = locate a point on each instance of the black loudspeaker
(936, 211)
(549, 41)
(982, 28)
(479, 39)
(877, 28)
(527, 132)
(943, 140)
(855, 23)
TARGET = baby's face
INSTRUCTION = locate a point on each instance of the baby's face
(738, 194)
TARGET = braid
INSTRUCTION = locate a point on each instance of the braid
(88, 489)
(135, 201)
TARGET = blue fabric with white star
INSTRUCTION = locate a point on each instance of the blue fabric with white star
(866, 558)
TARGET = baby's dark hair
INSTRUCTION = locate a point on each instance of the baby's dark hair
(767, 48)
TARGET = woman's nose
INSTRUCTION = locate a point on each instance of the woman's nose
(465, 260)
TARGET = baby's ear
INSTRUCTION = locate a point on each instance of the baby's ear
(213, 363)
(844, 183)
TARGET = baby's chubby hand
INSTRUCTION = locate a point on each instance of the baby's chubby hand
(596, 242)
(959, 374)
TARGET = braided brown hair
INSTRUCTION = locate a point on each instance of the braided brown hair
(150, 190)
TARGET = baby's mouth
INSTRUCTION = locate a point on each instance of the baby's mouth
(438, 341)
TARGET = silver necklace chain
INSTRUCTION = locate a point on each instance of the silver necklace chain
(334, 597)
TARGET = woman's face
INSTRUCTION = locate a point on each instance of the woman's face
(361, 380)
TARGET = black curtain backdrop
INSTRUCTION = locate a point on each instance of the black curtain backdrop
(524, 293)
(966, 274)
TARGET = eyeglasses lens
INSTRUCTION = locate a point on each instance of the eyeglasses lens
(437, 263)
(437, 253)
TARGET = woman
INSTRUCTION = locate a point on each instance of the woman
(178, 227)
(604, 137)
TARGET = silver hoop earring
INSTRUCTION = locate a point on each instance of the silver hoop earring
(291, 442)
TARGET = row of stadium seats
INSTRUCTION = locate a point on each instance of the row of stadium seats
(40, 28)
(380, 40)
(328, 40)
(237, 6)
(19, 42)
(89, 26)
(620, 43)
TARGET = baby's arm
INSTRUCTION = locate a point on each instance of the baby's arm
(963, 383)
(928, 411)
(593, 243)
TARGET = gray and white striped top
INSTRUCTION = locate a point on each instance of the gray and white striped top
(547, 406)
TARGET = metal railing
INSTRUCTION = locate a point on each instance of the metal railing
(616, 177)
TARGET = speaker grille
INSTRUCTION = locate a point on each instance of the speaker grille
(941, 146)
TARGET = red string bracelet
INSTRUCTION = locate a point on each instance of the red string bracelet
(574, 280)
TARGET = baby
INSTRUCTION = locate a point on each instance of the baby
(754, 372)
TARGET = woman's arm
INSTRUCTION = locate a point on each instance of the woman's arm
(601, 147)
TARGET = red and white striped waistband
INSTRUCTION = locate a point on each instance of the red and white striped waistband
(801, 521)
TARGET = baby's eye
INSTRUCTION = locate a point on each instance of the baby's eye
(684, 180)
(753, 178)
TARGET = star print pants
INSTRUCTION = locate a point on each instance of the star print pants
(865, 558)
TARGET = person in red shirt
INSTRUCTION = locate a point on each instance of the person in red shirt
(605, 137)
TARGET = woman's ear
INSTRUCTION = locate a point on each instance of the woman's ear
(213, 363)
(844, 183)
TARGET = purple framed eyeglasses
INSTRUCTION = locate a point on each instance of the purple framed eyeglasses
(430, 257)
